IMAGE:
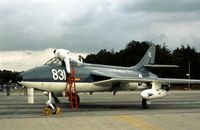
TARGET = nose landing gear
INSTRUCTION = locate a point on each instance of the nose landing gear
(50, 108)
(48, 111)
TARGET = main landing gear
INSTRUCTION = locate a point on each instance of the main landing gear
(51, 108)
(146, 103)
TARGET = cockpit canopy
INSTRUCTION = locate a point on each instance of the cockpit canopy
(58, 61)
(54, 61)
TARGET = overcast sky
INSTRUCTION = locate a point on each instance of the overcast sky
(86, 26)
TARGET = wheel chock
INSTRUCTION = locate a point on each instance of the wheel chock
(47, 111)
(58, 110)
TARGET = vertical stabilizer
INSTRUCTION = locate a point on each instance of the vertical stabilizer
(148, 58)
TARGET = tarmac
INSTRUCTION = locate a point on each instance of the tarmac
(103, 111)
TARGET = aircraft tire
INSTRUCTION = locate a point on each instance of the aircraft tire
(145, 103)
(78, 99)
(47, 111)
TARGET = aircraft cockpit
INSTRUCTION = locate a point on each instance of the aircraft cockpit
(57, 61)
(54, 61)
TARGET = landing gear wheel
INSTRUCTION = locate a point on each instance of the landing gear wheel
(50, 107)
(48, 110)
(78, 99)
(146, 103)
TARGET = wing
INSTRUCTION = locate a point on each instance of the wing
(146, 80)
(101, 76)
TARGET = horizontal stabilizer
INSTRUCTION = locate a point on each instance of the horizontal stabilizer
(161, 66)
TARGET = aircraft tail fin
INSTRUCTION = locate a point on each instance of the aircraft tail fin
(149, 57)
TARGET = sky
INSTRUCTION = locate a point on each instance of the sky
(31, 29)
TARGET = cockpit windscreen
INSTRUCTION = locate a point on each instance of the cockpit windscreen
(54, 61)
(57, 61)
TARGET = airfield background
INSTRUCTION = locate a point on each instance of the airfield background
(186, 57)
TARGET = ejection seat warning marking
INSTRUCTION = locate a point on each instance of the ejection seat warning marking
(58, 74)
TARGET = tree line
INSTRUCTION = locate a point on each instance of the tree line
(135, 50)
(132, 54)
(7, 76)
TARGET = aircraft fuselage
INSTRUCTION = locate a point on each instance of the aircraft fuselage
(52, 77)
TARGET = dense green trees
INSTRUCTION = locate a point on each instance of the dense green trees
(135, 50)
(7, 76)
(184, 56)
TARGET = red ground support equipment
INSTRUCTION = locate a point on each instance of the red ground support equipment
(71, 90)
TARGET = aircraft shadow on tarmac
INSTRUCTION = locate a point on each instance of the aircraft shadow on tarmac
(86, 108)
(16, 107)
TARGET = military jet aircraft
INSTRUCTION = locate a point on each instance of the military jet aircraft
(51, 77)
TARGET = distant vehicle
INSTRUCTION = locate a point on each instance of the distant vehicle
(51, 77)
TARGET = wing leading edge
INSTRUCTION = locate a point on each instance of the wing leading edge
(146, 80)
